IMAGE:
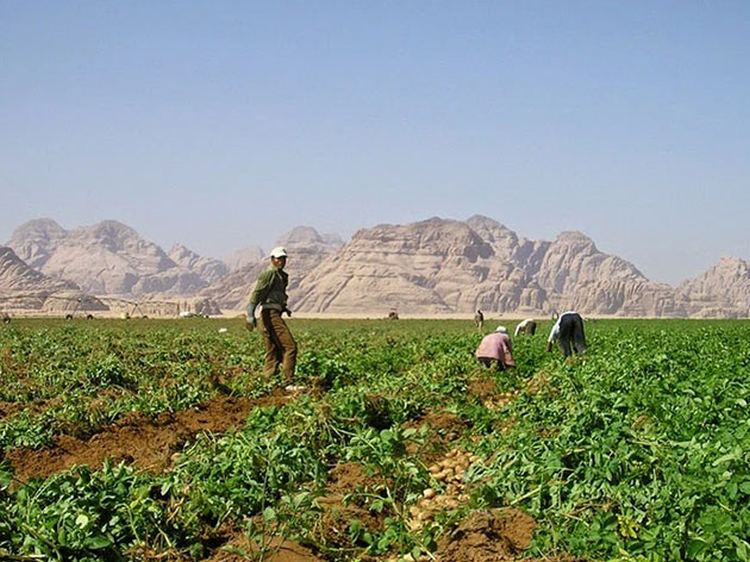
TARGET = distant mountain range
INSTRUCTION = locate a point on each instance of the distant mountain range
(432, 266)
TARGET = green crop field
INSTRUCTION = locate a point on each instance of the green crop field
(158, 440)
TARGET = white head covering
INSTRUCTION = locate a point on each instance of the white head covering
(278, 252)
(502, 329)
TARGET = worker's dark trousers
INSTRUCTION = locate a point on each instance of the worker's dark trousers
(572, 337)
(280, 345)
(491, 362)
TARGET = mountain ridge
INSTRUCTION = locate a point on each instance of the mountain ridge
(436, 265)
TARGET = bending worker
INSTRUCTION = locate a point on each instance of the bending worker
(527, 328)
(568, 332)
(270, 294)
(496, 348)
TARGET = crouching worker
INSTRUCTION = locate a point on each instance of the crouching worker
(496, 348)
(568, 332)
(270, 294)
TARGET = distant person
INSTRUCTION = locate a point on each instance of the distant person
(479, 320)
(527, 328)
(568, 332)
(270, 294)
(496, 349)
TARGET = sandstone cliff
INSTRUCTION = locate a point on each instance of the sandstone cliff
(208, 270)
(307, 248)
(721, 292)
(432, 266)
(23, 289)
(110, 258)
(441, 265)
(246, 256)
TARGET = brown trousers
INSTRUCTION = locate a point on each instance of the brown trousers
(280, 345)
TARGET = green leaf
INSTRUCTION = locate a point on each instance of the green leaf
(98, 542)
(269, 514)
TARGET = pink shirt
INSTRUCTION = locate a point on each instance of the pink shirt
(494, 346)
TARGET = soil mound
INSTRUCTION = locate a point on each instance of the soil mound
(136, 439)
(242, 549)
(495, 535)
(348, 477)
(445, 428)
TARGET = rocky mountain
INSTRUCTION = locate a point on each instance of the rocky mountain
(110, 258)
(432, 266)
(576, 275)
(35, 241)
(23, 288)
(441, 265)
(721, 292)
(209, 270)
(246, 256)
(306, 248)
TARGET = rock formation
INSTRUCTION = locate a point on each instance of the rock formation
(23, 289)
(721, 292)
(208, 270)
(306, 248)
(110, 258)
(246, 256)
(442, 265)
(35, 241)
(432, 266)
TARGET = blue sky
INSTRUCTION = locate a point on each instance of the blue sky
(223, 124)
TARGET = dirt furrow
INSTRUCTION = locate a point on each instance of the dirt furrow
(146, 443)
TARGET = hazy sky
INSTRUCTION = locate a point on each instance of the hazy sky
(224, 124)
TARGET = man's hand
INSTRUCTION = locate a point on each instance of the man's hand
(251, 324)
(288, 312)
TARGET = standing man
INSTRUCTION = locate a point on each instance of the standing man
(569, 331)
(270, 294)
(479, 319)
(496, 348)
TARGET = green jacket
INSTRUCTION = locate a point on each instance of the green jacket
(270, 289)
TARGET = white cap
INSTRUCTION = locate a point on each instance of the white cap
(502, 329)
(278, 252)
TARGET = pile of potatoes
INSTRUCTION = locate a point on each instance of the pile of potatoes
(449, 473)
(500, 400)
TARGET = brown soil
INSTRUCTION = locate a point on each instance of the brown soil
(10, 408)
(485, 389)
(445, 428)
(348, 477)
(136, 439)
(242, 548)
(496, 535)
(337, 515)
